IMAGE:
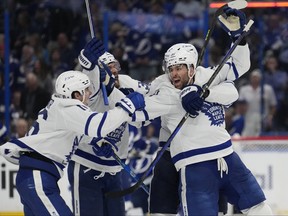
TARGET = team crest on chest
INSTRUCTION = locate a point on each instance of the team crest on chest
(214, 112)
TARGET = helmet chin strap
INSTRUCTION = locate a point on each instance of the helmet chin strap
(190, 77)
(83, 99)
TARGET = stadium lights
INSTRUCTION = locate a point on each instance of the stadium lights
(255, 4)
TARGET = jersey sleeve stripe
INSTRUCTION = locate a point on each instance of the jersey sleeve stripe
(235, 71)
(20, 144)
(88, 123)
(146, 115)
(101, 124)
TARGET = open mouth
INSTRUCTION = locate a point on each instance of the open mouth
(176, 82)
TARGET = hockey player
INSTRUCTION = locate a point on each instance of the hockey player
(203, 146)
(93, 172)
(55, 136)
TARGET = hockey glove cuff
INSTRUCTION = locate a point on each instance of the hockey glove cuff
(88, 57)
(132, 102)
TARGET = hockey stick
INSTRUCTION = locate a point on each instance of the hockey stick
(127, 169)
(130, 172)
(180, 124)
(237, 4)
(106, 102)
(92, 32)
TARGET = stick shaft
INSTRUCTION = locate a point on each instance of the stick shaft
(92, 32)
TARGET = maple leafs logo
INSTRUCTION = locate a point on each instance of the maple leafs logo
(215, 113)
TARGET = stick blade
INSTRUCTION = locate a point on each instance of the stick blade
(115, 194)
(238, 4)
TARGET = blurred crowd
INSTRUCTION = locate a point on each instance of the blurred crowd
(46, 37)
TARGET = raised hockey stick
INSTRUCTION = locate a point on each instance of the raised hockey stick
(237, 4)
(92, 32)
(180, 124)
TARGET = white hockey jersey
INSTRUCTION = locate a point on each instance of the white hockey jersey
(84, 154)
(204, 137)
(60, 127)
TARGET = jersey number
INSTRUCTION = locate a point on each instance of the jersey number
(35, 126)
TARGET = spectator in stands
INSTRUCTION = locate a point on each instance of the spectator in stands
(257, 120)
(276, 78)
(237, 123)
(57, 66)
(67, 53)
(43, 72)
(188, 9)
(33, 98)
(21, 127)
(27, 62)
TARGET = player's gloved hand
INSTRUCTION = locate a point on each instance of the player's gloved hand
(105, 150)
(88, 57)
(107, 77)
(234, 23)
(132, 102)
(191, 100)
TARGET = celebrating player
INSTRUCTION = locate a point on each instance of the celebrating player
(93, 172)
(55, 136)
(202, 150)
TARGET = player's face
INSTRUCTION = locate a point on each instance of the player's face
(115, 68)
(179, 75)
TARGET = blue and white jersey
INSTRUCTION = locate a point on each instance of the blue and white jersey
(204, 137)
(60, 127)
(84, 154)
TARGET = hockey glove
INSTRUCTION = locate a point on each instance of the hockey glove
(191, 100)
(105, 150)
(107, 78)
(88, 57)
(133, 102)
(234, 23)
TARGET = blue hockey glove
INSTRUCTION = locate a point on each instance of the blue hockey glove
(234, 23)
(107, 78)
(133, 102)
(105, 150)
(191, 100)
(88, 57)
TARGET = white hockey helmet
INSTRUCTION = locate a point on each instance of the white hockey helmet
(108, 58)
(181, 53)
(71, 81)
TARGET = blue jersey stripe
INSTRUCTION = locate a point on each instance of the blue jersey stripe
(20, 144)
(200, 151)
(235, 70)
(23, 145)
(101, 124)
(95, 159)
(146, 115)
(88, 123)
